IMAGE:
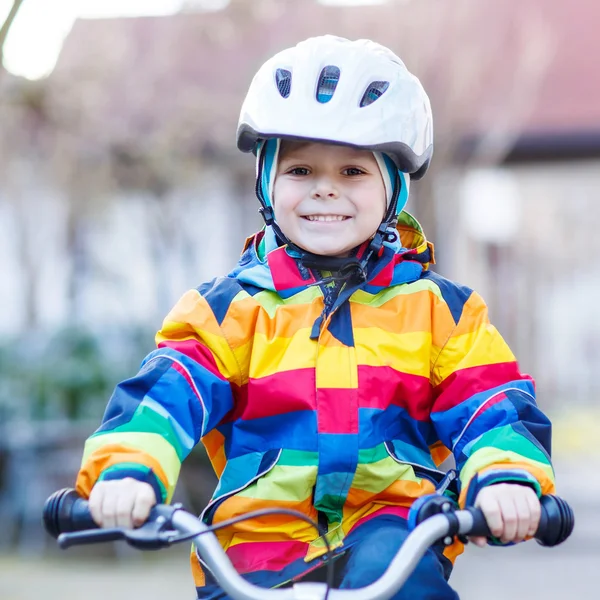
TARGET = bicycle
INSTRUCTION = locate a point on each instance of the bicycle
(432, 519)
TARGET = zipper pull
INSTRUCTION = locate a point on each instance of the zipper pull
(451, 475)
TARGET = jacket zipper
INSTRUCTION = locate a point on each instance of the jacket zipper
(220, 499)
(433, 475)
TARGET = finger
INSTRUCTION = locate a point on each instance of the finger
(478, 540)
(95, 504)
(493, 515)
(523, 515)
(535, 511)
(509, 519)
(124, 506)
(144, 501)
(109, 511)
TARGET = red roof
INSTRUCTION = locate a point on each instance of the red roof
(530, 62)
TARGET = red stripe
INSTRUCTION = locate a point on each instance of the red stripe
(271, 556)
(337, 410)
(493, 400)
(284, 271)
(276, 394)
(381, 387)
(196, 351)
(464, 383)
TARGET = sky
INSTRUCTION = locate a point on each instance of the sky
(37, 34)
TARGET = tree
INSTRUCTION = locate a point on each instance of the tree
(8, 22)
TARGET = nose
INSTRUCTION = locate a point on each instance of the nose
(324, 189)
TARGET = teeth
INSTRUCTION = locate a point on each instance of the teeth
(325, 217)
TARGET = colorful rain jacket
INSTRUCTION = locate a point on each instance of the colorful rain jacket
(340, 406)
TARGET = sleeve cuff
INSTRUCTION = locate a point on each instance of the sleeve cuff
(144, 474)
(518, 476)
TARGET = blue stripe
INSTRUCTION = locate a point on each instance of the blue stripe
(340, 325)
(219, 293)
(240, 470)
(454, 295)
(394, 423)
(174, 393)
(293, 431)
(338, 453)
(450, 423)
(129, 394)
(270, 148)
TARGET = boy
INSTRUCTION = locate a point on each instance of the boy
(331, 371)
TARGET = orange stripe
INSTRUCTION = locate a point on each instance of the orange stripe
(214, 441)
(107, 456)
(191, 313)
(270, 526)
(406, 313)
(247, 317)
(474, 315)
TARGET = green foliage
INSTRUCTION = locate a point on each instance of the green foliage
(68, 375)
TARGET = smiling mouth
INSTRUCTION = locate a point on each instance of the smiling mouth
(325, 218)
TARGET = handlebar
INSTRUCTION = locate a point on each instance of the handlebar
(66, 517)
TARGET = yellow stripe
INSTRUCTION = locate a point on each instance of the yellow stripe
(150, 443)
(484, 346)
(336, 368)
(490, 457)
(267, 357)
(404, 352)
(378, 476)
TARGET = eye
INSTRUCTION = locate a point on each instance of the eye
(353, 171)
(302, 171)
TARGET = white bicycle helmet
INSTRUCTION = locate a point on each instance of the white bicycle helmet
(335, 90)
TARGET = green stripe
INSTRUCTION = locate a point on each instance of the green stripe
(371, 455)
(362, 297)
(377, 476)
(289, 484)
(506, 438)
(298, 458)
(146, 420)
(133, 467)
(270, 301)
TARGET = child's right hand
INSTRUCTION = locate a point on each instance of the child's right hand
(121, 503)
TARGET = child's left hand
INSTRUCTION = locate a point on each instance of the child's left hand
(512, 512)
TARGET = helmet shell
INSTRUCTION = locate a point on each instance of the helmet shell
(329, 89)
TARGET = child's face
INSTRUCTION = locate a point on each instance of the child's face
(328, 199)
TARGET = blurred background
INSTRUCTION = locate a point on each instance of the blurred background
(121, 187)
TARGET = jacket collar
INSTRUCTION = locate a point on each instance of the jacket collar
(266, 265)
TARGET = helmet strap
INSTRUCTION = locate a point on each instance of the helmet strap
(343, 267)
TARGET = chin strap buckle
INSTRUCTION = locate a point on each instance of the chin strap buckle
(267, 214)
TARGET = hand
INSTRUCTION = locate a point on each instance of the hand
(512, 512)
(122, 503)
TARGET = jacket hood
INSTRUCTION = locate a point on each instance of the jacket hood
(266, 265)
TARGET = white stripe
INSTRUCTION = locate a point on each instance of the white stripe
(462, 433)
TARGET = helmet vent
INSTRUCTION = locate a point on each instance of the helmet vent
(283, 78)
(328, 81)
(374, 91)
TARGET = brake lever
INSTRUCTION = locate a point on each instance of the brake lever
(89, 536)
(152, 535)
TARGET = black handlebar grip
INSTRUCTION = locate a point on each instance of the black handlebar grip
(556, 522)
(66, 511)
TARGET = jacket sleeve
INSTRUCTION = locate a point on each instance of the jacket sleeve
(153, 420)
(484, 409)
